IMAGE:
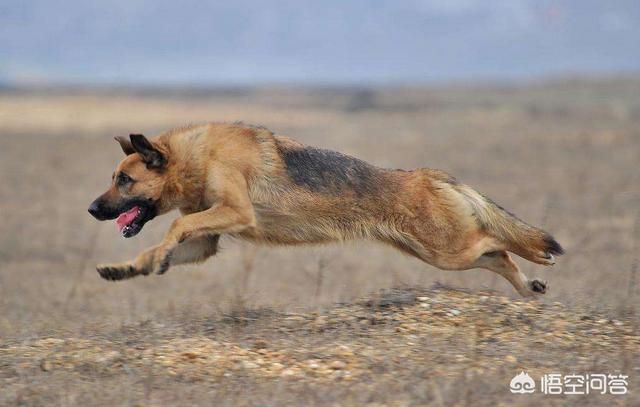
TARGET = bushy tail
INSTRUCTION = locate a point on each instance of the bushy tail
(532, 243)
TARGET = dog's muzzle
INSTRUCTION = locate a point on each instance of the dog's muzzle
(96, 209)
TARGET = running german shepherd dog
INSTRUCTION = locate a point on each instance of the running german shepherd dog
(249, 183)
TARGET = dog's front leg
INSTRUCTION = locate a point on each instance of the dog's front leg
(194, 250)
(215, 221)
(141, 265)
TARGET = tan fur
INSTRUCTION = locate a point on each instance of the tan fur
(232, 179)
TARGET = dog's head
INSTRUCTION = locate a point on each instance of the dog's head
(137, 185)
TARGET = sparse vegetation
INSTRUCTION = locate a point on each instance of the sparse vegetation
(400, 347)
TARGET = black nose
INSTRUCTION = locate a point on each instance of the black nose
(94, 210)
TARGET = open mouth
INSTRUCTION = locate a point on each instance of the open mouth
(131, 221)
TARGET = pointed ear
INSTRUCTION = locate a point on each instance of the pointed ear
(125, 144)
(151, 155)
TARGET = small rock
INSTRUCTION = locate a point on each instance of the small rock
(108, 357)
(249, 365)
(288, 372)
(190, 355)
(337, 365)
(45, 365)
(455, 312)
(324, 371)
(344, 351)
(50, 342)
(260, 344)
(511, 359)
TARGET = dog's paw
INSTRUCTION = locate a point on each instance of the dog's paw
(164, 264)
(161, 262)
(116, 272)
(544, 258)
(549, 259)
(538, 286)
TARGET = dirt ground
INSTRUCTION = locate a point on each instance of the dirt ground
(309, 325)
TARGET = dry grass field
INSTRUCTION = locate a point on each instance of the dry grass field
(309, 325)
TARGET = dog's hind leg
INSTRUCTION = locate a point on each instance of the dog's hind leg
(500, 262)
(484, 253)
(479, 252)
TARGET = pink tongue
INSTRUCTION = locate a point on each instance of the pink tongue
(127, 217)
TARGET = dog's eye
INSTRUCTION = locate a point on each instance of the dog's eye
(124, 179)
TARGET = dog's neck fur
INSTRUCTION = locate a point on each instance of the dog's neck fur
(183, 171)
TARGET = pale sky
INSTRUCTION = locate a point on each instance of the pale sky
(308, 41)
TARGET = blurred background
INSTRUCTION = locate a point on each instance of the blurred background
(331, 42)
(534, 103)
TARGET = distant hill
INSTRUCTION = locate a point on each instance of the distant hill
(145, 41)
